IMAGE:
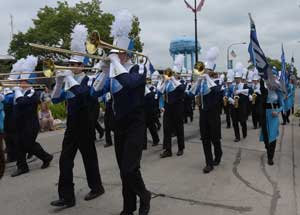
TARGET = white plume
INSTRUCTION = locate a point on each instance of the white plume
(122, 25)
(17, 67)
(78, 38)
(239, 66)
(30, 63)
(212, 54)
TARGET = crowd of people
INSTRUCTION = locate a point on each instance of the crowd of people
(134, 104)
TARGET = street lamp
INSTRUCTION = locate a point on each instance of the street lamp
(228, 49)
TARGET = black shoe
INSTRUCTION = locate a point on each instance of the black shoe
(145, 204)
(237, 140)
(283, 123)
(29, 156)
(207, 169)
(47, 162)
(228, 126)
(155, 143)
(126, 213)
(63, 203)
(244, 136)
(19, 172)
(107, 145)
(288, 120)
(166, 154)
(101, 135)
(270, 162)
(92, 195)
(180, 153)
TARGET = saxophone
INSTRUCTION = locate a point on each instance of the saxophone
(254, 96)
(236, 101)
(225, 101)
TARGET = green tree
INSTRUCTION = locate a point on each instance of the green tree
(276, 63)
(53, 27)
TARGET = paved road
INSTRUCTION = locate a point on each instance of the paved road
(242, 184)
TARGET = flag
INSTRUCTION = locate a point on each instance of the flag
(284, 76)
(151, 68)
(233, 54)
(201, 4)
(257, 55)
(189, 6)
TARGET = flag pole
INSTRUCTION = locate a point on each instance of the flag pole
(196, 31)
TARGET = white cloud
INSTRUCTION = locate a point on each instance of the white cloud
(220, 24)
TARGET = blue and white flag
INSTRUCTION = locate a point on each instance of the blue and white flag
(257, 55)
(284, 81)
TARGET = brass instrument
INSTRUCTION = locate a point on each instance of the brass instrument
(16, 84)
(199, 69)
(21, 73)
(236, 101)
(225, 101)
(94, 42)
(65, 51)
(168, 73)
(49, 68)
(254, 96)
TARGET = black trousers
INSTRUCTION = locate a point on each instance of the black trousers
(210, 130)
(255, 115)
(10, 143)
(26, 143)
(75, 140)
(129, 142)
(108, 128)
(151, 126)
(227, 113)
(235, 115)
(271, 149)
(173, 122)
(285, 117)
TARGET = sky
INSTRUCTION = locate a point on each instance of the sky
(220, 23)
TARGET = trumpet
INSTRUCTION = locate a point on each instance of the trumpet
(225, 101)
(236, 101)
(254, 96)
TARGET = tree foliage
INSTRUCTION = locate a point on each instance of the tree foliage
(276, 63)
(53, 27)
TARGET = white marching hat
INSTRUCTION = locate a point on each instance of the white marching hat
(239, 70)
(230, 75)
(211, 57)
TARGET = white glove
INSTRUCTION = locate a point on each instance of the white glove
(237, 92)
(250, 98)
(231, 101)
(257, 91)
(70, 82)
(63, 73)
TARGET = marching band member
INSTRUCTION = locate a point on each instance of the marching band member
(227, 105)
(109, 119)
(256, 100)
(9, 126)
(188, 102)
(126, 83)
(150, 114)
(26, 101)
(210, 121)
(288, 102)
(239, 99)
(272, 100)
(173, 108)
(80, 130)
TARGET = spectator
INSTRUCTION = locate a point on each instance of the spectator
(46, 118)
(46, 95)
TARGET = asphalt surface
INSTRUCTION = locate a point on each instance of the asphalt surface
(242, 184)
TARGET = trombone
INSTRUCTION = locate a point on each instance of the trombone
(49, 68)
(16, 84)
(94, 42)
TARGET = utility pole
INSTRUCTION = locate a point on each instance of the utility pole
(12, 26)
(196, 31)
